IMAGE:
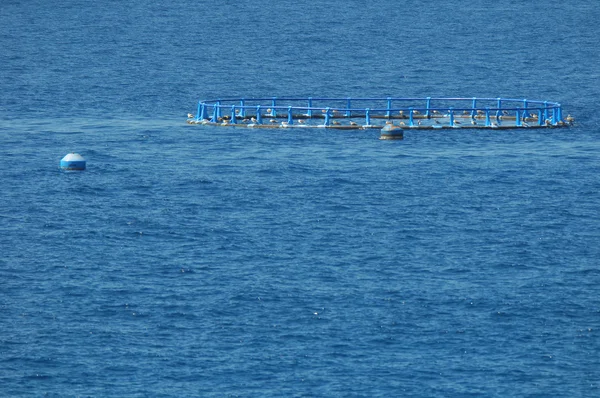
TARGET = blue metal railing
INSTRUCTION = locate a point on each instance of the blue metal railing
(418, 112)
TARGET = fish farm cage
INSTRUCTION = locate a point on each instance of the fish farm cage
(377, 113)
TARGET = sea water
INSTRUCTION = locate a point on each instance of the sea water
(207, 261)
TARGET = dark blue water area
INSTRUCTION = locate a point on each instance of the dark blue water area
(209, 261)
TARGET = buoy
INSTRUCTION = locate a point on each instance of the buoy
(391, 132)
(72, 161)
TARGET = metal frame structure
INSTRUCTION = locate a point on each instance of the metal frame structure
(363, 113)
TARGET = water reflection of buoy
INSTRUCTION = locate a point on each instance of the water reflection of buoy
(72, 161)
(391, 132)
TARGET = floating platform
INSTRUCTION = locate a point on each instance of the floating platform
(376, 113)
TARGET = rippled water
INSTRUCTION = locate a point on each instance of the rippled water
(204, 261)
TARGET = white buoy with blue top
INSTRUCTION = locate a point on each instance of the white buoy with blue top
(72, 161)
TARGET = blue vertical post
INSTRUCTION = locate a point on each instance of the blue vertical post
(428, 106)
(232, 114)
(518, 118)
(367, 117)
(327, 116)
(410, 116)
(258, 115)
(554, 119)
(499, 108)
(487, 117)
(545, 111)
(218, 105)
(290, 116)
(525, 115)
(215, 116)
(348, 106)
(309, 111)
(203, 112)
(273, 103)
(474, 108)
(198, 111)
(242, 109)
(559, 112)
(389, 107)
(451, 112)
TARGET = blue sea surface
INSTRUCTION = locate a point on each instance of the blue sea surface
(209, 261)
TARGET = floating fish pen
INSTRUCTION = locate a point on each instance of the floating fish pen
(377, 113)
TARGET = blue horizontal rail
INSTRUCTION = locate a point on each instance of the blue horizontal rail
(418, 112)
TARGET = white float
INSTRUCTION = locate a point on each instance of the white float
(72, 161)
